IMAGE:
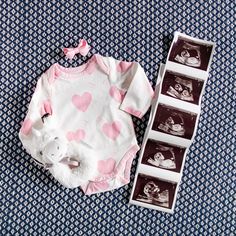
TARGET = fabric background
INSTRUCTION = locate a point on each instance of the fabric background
(32, 36)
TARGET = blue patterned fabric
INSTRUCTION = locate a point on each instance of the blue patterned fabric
(32, 36)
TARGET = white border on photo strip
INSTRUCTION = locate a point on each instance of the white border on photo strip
(150, 137)
(146, 135)
(158, 136)
(177, 102)
(187, 69)
(153, 206)
(164, 174)
(173, 139)
(185, 105)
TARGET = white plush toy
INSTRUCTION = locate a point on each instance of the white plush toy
(68, 163)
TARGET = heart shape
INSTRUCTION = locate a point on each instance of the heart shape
(112, 130)
(106, 166)
(116, 93)
(76, 136)
(82, 102)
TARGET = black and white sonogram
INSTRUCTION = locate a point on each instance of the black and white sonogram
(191, 53)
(154, 191)
(163, 155)
(181, 87)
(173, 121)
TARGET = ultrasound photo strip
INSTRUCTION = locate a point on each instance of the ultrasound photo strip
(163, 174)
(192, 53)
(154, 193)
(163, 155)
(173, 123)
(181, 87)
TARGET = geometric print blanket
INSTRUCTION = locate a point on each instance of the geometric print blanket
(32, 36)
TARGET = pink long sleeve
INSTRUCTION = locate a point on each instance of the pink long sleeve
(39, 106)
(131, 80)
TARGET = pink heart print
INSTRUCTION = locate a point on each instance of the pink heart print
(82, 102)
(112, 130)
(77, 136)
(106, 166)
(116, 93)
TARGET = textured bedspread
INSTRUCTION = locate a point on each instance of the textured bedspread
(32, 36)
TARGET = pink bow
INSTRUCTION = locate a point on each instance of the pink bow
(83, 48)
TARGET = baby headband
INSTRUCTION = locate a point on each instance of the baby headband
(83, 49)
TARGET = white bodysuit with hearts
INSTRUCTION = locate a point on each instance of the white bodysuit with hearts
(92, 104)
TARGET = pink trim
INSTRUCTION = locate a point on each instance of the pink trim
(94, 187)
(124, 165)
(123, 66)
(84, 187)
(88, 67)
(150, 90)
(71, 69)
(80, 68)
(129, 154)
(91, 67)
(106, 176)
(133, 112)
(52, 74)
(101, 63)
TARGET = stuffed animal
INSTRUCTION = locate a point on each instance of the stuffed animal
(69, 163)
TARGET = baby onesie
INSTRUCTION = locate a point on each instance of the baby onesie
(92, 105)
